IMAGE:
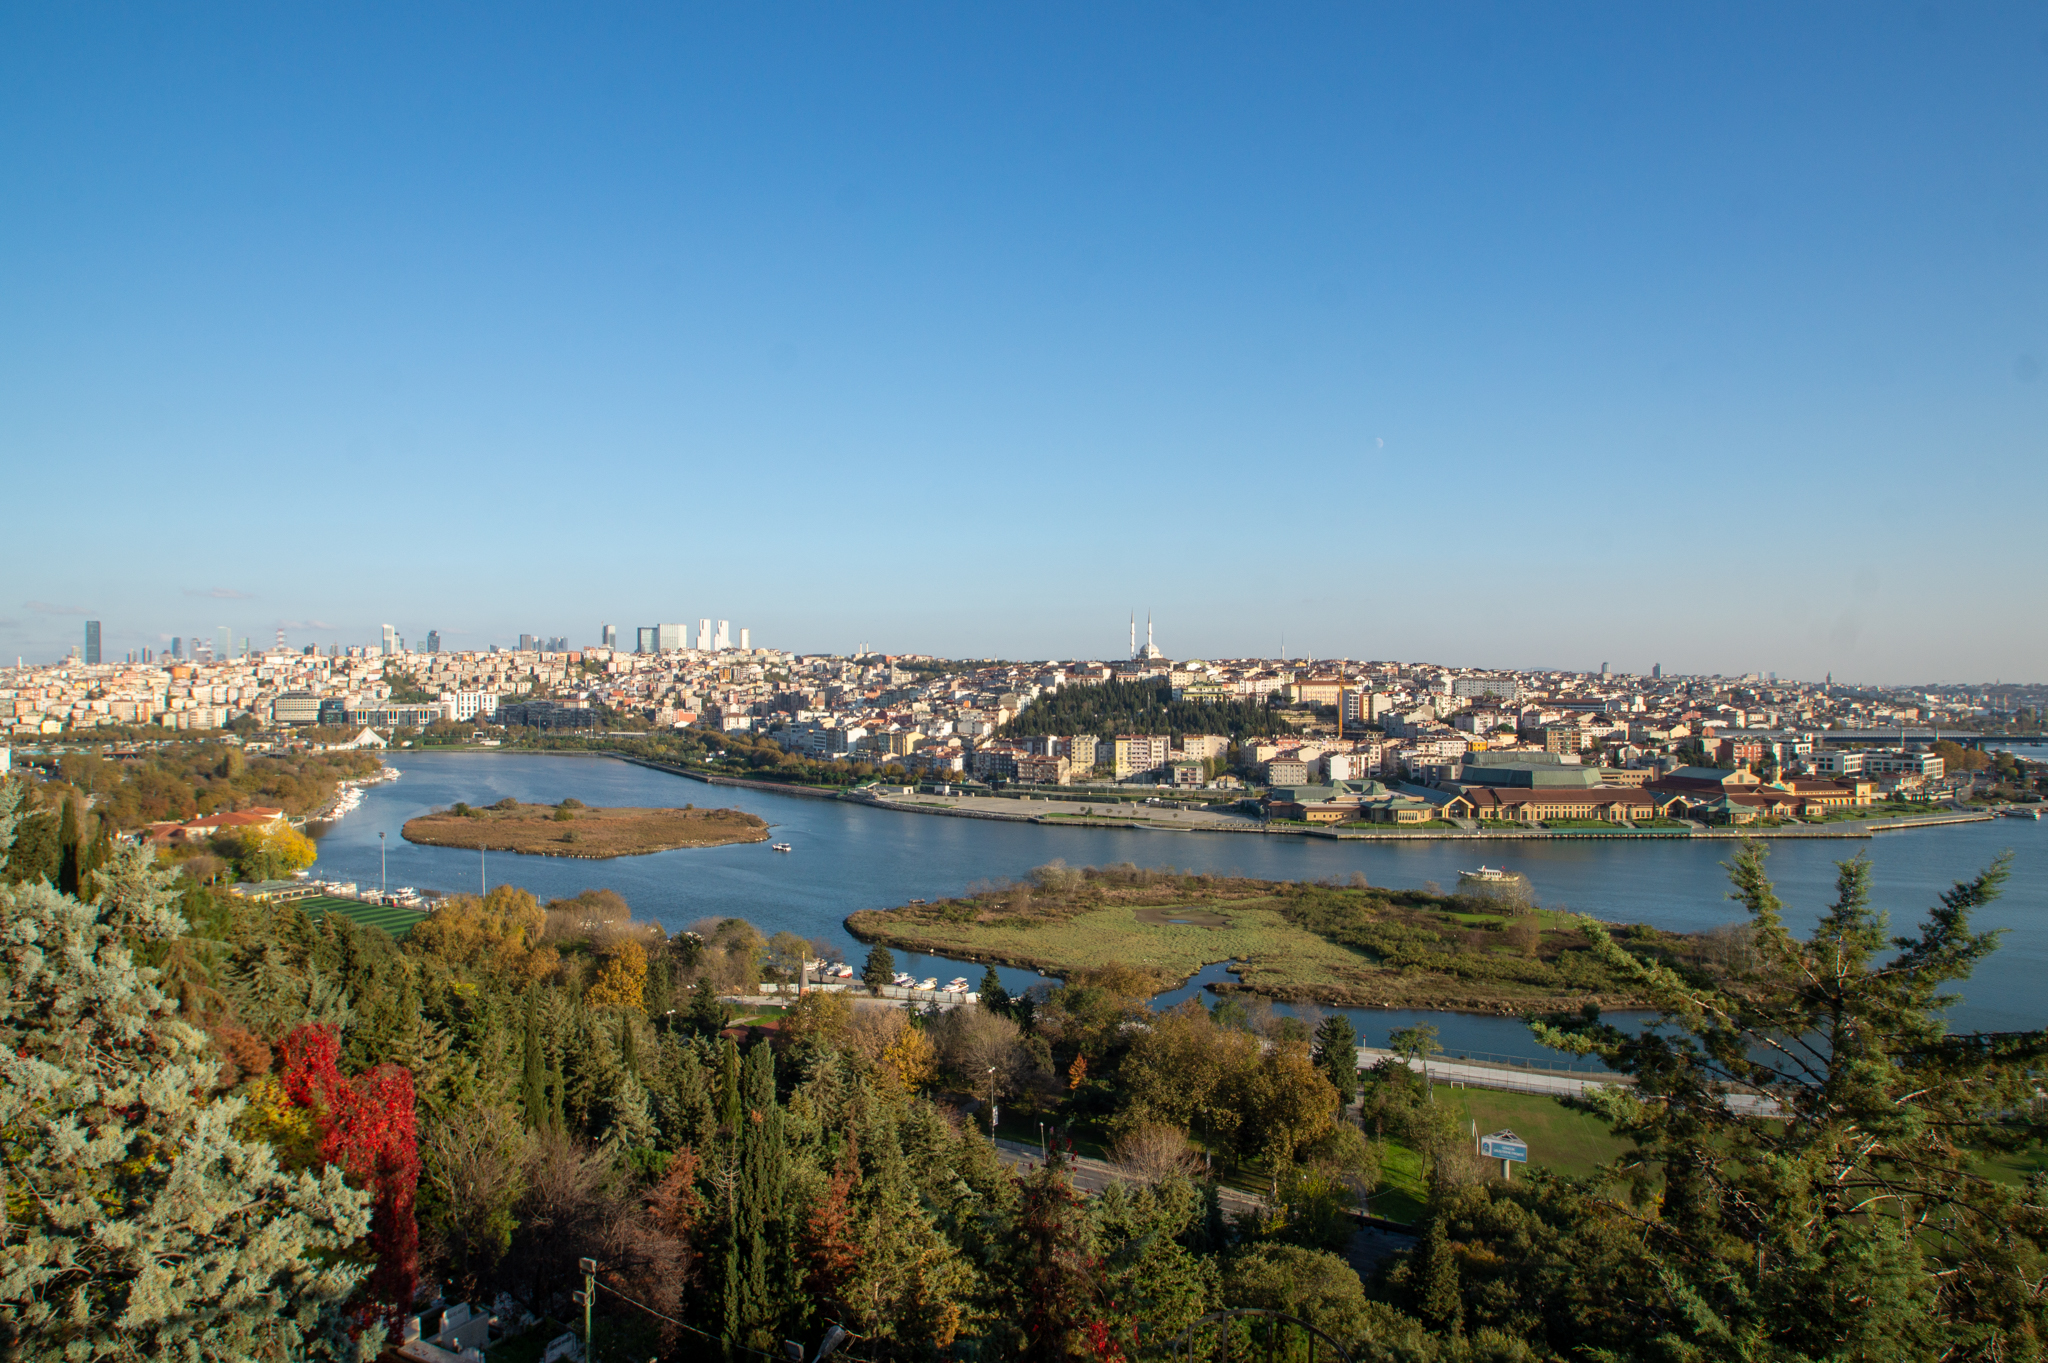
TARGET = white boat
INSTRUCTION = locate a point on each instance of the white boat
(903, 979)
(842, 972)
(957, 985)
(1488, 875)
(2034, 814)
(931, 982)
(778, 847)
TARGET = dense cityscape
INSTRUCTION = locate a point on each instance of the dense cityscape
(1057, 683)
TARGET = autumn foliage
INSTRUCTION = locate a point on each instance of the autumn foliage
(369, 1131)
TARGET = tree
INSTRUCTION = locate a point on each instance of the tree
(708, 1014)
(880, 970)
(622, 980)
(1053, 1278)
(994, 998)
(140, 1223)
(1415, 1045)
(1336, 1053)
(367, 1128)
(1822, 1140)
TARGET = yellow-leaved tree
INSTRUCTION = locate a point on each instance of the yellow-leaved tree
(622, 979)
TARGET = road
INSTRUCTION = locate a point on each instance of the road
(1475, 1075)
(1093, 1175)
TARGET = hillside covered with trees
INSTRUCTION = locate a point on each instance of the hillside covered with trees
(1139, 707)
(229, 1132)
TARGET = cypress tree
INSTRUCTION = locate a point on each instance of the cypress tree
(67, 844)
(97, 853)
(1439, 1301)
(533, 1088)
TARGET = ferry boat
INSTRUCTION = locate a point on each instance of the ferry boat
(778, 847)
(2030, 812)
(1488, 875)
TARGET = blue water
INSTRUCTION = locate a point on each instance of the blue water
(850, 857)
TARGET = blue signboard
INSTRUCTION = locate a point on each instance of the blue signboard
(1504, 1145)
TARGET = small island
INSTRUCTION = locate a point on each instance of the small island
(574, 829)
(1484, 949)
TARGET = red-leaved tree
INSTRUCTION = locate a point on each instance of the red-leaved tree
(368, 1129)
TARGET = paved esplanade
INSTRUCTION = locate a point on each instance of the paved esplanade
(1476, 1075)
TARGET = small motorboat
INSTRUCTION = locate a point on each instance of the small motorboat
(931, 982)
(903, 979)
(957, 985)
(842, 972)
(1491, 875)
(778, 847)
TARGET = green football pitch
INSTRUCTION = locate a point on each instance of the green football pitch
(395, 921)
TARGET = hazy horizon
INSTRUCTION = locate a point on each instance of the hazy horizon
(1498, 337)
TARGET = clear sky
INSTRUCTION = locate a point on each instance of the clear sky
(1527, 335)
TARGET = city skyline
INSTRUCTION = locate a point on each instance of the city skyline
(1517, 338)
(664, 638)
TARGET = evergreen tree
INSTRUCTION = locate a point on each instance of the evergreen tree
(1823, 1140)
(994, 998)
(708, 1015)
(1438, 1298)
(1054, 1282)
(68, 850)
(880, 970)
(756, 1260)
(533, 1085)
(140, 1224)
(1336, 1047)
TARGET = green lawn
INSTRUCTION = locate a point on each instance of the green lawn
(395, 921)
(1559, 1139)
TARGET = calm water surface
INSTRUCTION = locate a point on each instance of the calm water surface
(850, 857)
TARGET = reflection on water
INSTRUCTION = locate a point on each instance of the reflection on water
(849, 857)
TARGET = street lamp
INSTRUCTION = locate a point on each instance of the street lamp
(380, 863)
(991, 1103)
(1041, 1142)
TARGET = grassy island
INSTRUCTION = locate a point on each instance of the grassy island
(573, 829)
(1349, 946)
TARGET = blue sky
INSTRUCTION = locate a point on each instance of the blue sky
(1510, 336)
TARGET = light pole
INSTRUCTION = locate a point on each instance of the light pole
(380, 863)
(1041, 1142)
(991, 1103)
(483, 876)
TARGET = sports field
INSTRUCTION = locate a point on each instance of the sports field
(395, 921)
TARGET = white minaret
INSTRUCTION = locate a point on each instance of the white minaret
(1134, 634)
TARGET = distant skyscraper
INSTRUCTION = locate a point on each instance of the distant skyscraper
(646, 639)
(703, 636)
(559, 644)
(92, 641)
(608, 636)
(177, 646)
(390, 641)
(671, 638)
(1656, 671)
(746, 640)
(433, 641)
(529, 643)
(723, 639)
(226, 648)
(1603, 669)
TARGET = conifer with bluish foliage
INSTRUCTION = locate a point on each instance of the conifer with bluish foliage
(141, 1224)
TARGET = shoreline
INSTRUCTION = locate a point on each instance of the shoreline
(1846, 830)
